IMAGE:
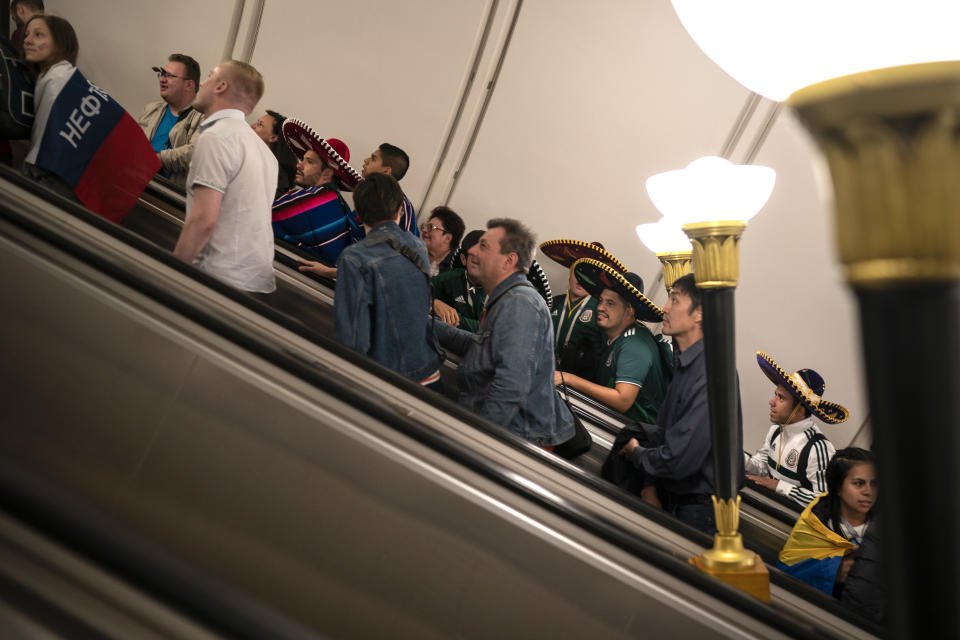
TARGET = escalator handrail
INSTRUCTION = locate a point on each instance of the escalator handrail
(597, 414)
(590, 522)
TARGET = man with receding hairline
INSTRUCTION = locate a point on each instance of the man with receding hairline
(231, 184)
(506, 375)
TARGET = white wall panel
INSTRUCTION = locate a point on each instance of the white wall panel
(596, 97)
(592, 99)
(370, 72)
(120, 41)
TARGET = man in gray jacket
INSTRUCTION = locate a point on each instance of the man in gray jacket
(172, 124)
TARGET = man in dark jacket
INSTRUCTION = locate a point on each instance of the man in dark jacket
(382, 297)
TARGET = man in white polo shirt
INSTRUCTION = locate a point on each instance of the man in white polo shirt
(231, 184)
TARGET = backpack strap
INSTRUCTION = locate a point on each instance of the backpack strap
(804, 457)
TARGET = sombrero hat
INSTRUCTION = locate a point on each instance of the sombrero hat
(566, 252)
(301, 138)
(595, 276)
(806, 385)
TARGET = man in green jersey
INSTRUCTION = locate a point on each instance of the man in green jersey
(578, 341)
(632, 374)
(456, 299)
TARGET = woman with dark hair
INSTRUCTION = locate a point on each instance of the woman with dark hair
(821, 545)
(50, 47)
(269, 127)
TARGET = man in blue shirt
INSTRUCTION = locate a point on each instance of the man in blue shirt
(172, 124)
(382, 299)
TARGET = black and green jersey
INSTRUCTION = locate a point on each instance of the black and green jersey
(578, 341)
(634, 357)
(452, 288)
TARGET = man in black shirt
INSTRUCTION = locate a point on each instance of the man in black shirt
(683, 462)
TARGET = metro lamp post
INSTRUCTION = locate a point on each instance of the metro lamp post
(877, 84)
(712, 200)
(672, 247)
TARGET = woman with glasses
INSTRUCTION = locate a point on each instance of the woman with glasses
(442, 235)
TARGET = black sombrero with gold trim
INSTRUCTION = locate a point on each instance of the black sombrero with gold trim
(806, 385)
(566, 252)
(595, 276)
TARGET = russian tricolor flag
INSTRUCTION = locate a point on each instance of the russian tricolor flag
(95, 146)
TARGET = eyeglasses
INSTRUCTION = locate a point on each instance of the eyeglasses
(427, 227)
(163, 73)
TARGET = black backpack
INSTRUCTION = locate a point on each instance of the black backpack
(16, 94)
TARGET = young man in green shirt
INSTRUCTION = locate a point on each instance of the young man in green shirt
(578, 341)
(456, 300)
(632, 374)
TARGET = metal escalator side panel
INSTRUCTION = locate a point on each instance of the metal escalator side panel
(292, 497)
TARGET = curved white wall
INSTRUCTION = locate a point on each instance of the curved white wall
(592, 99)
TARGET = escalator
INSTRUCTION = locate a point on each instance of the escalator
(260, 461)
(309, 300)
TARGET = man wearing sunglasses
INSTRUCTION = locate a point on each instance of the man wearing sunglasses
(172, 124)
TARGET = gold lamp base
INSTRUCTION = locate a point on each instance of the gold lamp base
(675, 265)
(716, 252)
(728, 560)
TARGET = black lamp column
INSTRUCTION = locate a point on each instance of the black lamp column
(890, 138)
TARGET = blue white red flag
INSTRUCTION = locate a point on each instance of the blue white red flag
(95, 146)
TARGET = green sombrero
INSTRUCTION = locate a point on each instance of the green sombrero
(595, 276)
(566, 252)
(806, 385)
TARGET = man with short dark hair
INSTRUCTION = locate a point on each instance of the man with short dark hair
(269, 128)
(793, 457)
(382, 298)
(315, 216)
(393, 161)
(442, 234)
(632, 376)
(172, 124)
(683, 462)
(508, 376)
(458, 300)
(21, 11)
(230, 185)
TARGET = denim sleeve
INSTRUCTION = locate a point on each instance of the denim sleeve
(452, 338)
(516, 342)
(686, 441)
(352, 307)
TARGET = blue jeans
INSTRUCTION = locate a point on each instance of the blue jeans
(699, 516)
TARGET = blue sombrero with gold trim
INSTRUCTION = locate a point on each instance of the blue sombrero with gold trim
(807, 386)
(566, 252)
(595, 276)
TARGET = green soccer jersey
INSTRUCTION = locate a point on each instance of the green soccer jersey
(452, 288)
(634, 357)
(578, 341)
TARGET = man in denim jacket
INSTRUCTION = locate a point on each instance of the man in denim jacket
(382, 298)
(506, 374)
